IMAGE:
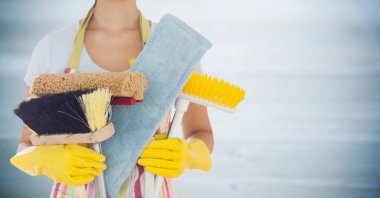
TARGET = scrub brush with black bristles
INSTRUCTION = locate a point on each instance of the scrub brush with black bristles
(206, 91)
(62, 118)
(53, 114)
(70, 118)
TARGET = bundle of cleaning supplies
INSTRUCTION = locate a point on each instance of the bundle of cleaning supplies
(64, 118)
(166, 61)
(58, 111)
(79, 115)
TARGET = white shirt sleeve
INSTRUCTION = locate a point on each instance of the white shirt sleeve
(39, 60)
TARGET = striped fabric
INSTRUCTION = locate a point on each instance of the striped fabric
(133, 186)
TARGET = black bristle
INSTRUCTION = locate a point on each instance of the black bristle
(54, 114)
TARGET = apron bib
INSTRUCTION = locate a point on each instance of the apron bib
(79, 39)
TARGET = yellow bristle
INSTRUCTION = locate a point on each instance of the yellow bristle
(131, 61)
(213, 90)
(96, 107)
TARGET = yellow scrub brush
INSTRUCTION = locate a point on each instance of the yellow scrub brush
(206, 91)
(209, 91)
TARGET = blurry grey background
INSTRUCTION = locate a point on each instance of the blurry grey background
(310, 124)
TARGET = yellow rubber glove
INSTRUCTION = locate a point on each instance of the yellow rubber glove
(71, 164)
(170, 157)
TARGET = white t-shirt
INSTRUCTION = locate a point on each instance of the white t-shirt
(51, 55)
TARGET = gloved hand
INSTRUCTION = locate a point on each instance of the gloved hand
(170, 157)
(71, 164)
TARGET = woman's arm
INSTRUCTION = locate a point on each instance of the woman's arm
(196, 124)
(25, 133)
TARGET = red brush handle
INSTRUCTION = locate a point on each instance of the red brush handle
(124, 101)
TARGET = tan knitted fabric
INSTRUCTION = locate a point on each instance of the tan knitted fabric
(121, 84)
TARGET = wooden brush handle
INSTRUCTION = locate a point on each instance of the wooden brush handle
(90, 137)
(121, 84)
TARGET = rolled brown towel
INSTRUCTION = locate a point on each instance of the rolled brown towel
(121, 84)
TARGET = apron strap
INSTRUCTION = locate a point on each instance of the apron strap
(145, 31)
(144, 28)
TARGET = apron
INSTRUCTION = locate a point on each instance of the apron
(133, 186)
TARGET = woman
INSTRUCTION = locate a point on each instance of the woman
(113, 37)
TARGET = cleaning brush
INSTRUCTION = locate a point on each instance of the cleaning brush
(70, 118)
(53, 114)
(209, 91)
(60, 119)
(127, 87)
(206, 91)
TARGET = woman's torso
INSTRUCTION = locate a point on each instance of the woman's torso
(52, 54)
